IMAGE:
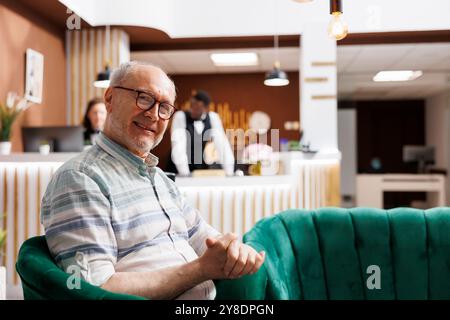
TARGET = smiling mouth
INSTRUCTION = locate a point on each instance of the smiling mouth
(143, 127)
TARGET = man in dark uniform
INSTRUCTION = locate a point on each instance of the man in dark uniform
(198, 139)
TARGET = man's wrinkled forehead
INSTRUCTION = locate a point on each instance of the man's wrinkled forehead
(152, 78)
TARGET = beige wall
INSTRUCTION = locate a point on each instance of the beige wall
(21, 29)
(87, 55)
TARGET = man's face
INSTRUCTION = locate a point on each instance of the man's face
(197, 108)
(137, 130)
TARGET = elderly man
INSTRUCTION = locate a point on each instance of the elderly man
(116, 216)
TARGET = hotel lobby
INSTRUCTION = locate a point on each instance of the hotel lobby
(323, 139)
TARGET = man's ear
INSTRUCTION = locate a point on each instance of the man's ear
(108, 99)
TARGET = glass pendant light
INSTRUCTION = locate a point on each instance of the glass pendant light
(276, 77)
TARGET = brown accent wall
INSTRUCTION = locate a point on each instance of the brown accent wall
(245, 91)
(21, 28)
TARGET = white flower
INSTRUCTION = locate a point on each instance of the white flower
(22, 105)
(10, 99)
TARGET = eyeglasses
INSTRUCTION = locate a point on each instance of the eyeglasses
(145, 101)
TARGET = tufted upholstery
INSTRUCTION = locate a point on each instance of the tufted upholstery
(42, 279)
(325, 253)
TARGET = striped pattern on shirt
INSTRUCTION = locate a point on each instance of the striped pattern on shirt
(107, 211)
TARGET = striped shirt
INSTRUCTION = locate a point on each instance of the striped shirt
(107, 211)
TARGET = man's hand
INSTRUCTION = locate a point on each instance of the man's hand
(226, 257)
(242, 260)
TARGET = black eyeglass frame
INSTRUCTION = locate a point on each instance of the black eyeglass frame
(139, 92)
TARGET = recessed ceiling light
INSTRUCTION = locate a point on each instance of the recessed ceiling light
(234, 59)
(399, 75)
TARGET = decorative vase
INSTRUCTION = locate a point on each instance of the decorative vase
(5, 147)
(44, 149)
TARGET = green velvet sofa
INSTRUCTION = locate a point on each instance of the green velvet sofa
(329, 253)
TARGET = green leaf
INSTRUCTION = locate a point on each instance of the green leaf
(2, 238)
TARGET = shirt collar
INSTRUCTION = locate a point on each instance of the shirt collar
(123, 154)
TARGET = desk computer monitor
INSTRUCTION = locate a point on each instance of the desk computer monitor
(61, 139)
(422, 155)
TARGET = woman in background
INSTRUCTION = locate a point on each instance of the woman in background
(94, 120)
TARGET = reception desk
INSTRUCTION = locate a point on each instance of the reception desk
(230, 204)
(371, 187)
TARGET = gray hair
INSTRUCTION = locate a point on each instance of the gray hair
(120, 73)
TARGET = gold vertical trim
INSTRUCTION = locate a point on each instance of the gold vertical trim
(297, 198)
(319, 187)
(304, 188)
(290, 198)
(103, 48)
(222, 210)
(254, 208)
(97, 38)
(26, 206)
(243, 213)
(16, 222)
(233, 213)
(273, 201)
(38, 202)
(264, 202)
(210, 207)
(88, 65)
(311, 203)
(80, 79)
(111, 48)
(197, 201)
(119, 43)
(5, 216)
(323, 187)
(72, 83)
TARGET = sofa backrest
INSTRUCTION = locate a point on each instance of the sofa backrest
(334, 253)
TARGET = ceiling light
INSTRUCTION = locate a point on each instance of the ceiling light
(234, 59)
(276, 77)
(399, 75)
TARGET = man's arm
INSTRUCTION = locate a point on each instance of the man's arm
(170, 282)
(161, 284)
(75, 213)
(222, 144)
(178, 141)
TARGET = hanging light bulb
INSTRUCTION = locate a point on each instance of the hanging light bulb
(337, 28)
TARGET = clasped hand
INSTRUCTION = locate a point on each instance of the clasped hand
(228, 258)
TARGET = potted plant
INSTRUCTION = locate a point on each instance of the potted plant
(8, 114)
(2, 268)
